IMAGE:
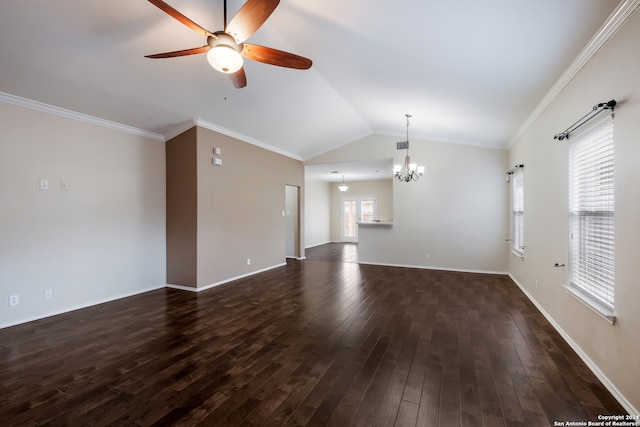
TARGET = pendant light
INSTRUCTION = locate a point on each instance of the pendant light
(343, 187)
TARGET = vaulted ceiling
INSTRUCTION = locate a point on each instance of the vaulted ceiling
(468, 71)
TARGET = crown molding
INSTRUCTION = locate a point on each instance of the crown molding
(244, 138)
(74, 115)
(51, 109)
(608, 29)
(179, 129)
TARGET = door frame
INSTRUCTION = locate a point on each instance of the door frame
(292, 221)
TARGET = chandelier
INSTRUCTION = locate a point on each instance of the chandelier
(409, 171)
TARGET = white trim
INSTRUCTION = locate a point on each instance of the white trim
(222, 282)
(608, 29)
(426, 267)
(586, 299)
(179, 129)
(175, 131)
(51, 109)
(590, 364)
(519, 254)
(80, 307)
(245, 138)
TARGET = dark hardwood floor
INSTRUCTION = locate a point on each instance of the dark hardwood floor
(313, 343)
(335, 252)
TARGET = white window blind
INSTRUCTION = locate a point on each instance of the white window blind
(517, 211)
(591, 212)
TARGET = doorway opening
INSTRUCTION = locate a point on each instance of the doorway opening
(292, 221)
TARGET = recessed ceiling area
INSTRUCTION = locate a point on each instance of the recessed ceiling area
(469, 72)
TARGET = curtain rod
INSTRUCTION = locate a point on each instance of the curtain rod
(515, 168)
(597, 109)
(512, 171)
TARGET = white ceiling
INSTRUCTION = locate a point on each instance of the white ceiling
(362, 170)
(468, 71)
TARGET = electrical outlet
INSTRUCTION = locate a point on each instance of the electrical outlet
(537, 285)
(427, 255)
(48, 293)
(248, 261)
(14, 300)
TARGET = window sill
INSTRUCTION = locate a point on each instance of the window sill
(604, 312)
(517, 253)
(376, 223)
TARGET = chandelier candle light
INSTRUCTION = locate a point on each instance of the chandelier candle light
(409, 171)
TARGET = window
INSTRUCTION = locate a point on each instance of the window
(591, 216)
(517, 211)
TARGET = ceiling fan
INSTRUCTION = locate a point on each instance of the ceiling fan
(226, 48)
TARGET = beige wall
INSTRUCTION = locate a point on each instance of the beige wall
(612, 351)
(240, 207)
(238, 211)
(457, 212)
(101, 238)
(381, 188)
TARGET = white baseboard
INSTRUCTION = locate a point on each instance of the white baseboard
(590, 364)
(426, 267)
(79, 307)
(231, 279)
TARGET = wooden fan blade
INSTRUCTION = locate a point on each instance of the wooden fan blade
(250, 17)
(185, 52)
(180, 17)
(277, 57)
(239, 78)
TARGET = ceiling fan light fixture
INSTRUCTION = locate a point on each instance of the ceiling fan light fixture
(226, 48)
(224, 59)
